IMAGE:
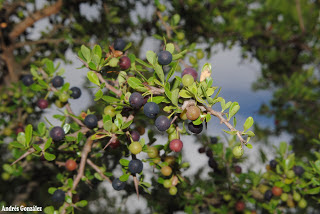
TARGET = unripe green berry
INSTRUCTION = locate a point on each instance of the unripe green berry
(187, 80)
(290, 174)
(63, 97)
(173, 190)
(167, 183)
(237, 151)
(200, 54)
(192, 60)
(110, 110)
(135, 147)
(114, 127)
(284, 197)
(114, 62)
(180, 35)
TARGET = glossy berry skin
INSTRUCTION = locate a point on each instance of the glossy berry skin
(162, 123)
(268, 195)
(114, 144)
(164, 57)
(193, 112)
(166, 170)
(209, 153)
(176, 145)
(27, 80)
(167, 183)
(135, 135)
(302, 203)
(237, 169)
(135, 166)
(136, 100)
(124, 63)
(58, 195)
(43, 104)
(76, 92)
(91, 121)
(202, 150)
(173, 190)
(190, 71)
(153, 152)
(135, 147)
(240, 206)
(276, 191)
(118, 185)
(109, 110)
(298, 170)
(119, 44)
(71, 165)
(196, 129)
(57, 133)
(273, 164)
(284, 197)
(57, 81)
(151, 109)
(237, 151)
(187, 80)
(212, 163)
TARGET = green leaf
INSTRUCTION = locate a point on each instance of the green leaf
(17, 144)
(317, 165)
(51, 190)
(250, 134)
(107, 125)
(92, 76)
(21, 138)
(157, 99)
(197, 121)
(97, 50)
(49, 157)
(248, 124)
(66, 128)
(143, 63)
(28, 134)
(170, 48)
(167, 91)
(249, 146)
(36, 147)
(174, 96)
(283, 148)
(124, 162)
(179, 55)
(124, 177)
(185, 94)
(82, 203)
(47, 144)
(234, 108)
(98, 95)
(172, 70)
(92, 66)
(126, 125)
(151, 57)
(86, 53)
(110, 99)
(313, 191)
(159, 72)
(49, 210)
(134, 82)
(49, 66)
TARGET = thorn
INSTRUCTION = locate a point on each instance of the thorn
(136, 184)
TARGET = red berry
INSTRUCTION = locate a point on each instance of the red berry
(276, 191)
(240, 206)
(42, 103)
(19, 129)
(114, 144)
(71, 165)
(124, 63)
(176, 145)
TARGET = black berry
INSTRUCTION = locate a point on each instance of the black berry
(136, 100)
(118, 185)
(164, 57)
(273, 164)
(27, 80)
(124, 63)
(162, 123)
(298, 170)
(190, 71)
(135, 135)
(202, 150)
(119, 44)
(196, 129)
(42, 103)
(58, 195)
(268, 195)
(57, 81)
(151, 109)
(135, 166)
(76, 92)
(57, 133)
(212, 163)
(213, 140)
(237, 169)
(91, 121)
(209, 153)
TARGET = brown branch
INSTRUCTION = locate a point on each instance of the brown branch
(30, 151)
(98, 170)
(37, 15)
(301, 23)
(166, 26)
(71, 115)
(219, 115)
(27, 59)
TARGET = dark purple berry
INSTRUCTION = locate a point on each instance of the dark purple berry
(58, 195)
(91, 121)
(136, 100)
(164, 57)
(124, 63)
(268, 195)
(298, 170)
(76, 92)
(151, 109)
(209, 153)
(57, 81)
(119, 44)
(135, 135)
(162, 123)
(237, 169)
(43, 104)
(212, 163)
(273, 164)
(118, 185)
(213, 140)
(196, 129)
(57, 133)
(27, 80)
(202, 150)
(135, 166)
(190, 71)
